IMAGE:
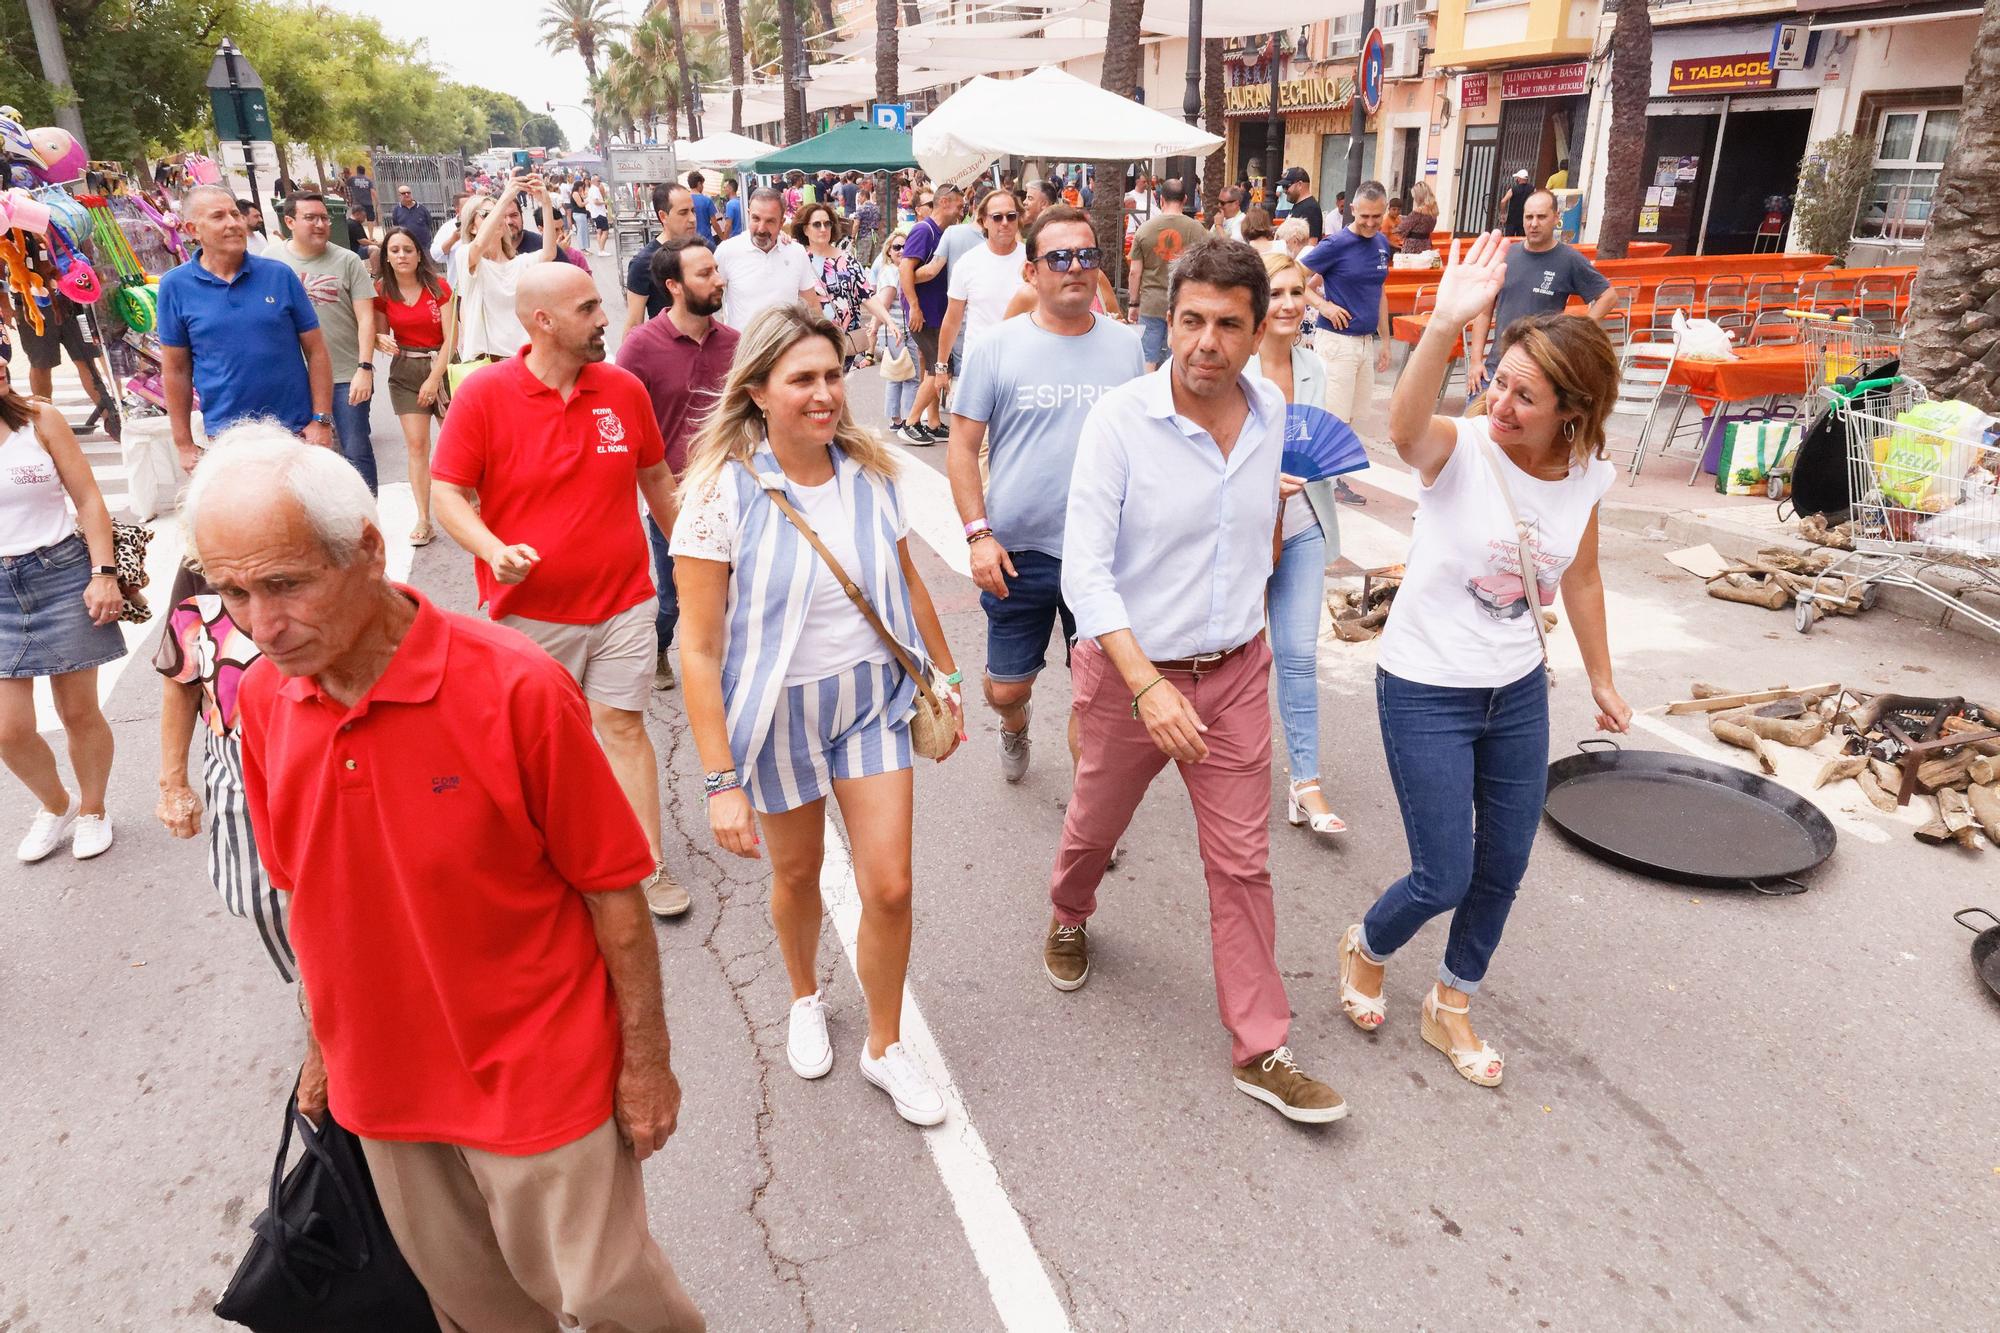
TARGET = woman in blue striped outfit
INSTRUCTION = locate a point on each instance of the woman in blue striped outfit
(791, 695)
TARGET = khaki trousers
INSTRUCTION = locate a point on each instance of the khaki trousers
(553, 1241)
(1350, 371)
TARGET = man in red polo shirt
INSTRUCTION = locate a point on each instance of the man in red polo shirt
(489, 1024)
(682, 356)
(534, 476)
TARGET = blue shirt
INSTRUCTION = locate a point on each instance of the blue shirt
(1353, 270)
(1164, 536)
(704, 217)
(733, 210)
(243, 337)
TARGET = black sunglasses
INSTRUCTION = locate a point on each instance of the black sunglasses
(1085, 257)
(1003, 217)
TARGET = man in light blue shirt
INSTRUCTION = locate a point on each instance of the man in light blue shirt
(1028, 385)
(1168, 543)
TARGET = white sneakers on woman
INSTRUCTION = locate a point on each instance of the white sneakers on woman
(809, 1051)
(89, 835)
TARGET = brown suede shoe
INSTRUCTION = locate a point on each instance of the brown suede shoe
(1066, 956)
(1274, 1079)
(664, 897)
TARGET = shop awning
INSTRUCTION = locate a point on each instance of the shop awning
(1049, 113)
(852, 147)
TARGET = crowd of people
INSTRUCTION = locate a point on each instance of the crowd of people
(502, 1049)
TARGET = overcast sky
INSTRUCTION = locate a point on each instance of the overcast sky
(494, 43)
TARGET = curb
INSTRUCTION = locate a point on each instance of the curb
(1681, 527)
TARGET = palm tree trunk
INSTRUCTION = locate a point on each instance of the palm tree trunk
(1212, 94)
(1121, 76)
(690, 94)
(790, 44)
(732, 17)
(888, 48)
(590, 81)
(1625, 146)
(825, 8)
(1953, 346)
(911, 17)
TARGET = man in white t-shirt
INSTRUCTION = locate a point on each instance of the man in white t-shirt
(985, 279)
(763, 267)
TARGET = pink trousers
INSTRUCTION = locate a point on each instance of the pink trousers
(1231, 792)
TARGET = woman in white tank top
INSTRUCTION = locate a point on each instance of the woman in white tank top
(59, 604)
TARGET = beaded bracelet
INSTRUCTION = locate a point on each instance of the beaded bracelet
(714, 784)
(980, 535)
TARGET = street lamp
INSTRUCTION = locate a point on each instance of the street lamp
(233, 84)
(1191, 99)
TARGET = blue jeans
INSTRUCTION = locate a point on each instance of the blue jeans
(1153, 339)
(1470, 767)
(1297, 590)
(350, 434)
(1018, 625)
(663, 574)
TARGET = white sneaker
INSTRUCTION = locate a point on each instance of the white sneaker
(898, 1074)
(47, 831)
(92, 836)
(807, 1045)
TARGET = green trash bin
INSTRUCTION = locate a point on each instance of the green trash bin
(336, 208)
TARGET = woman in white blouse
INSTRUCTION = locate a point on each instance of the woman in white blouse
(1461, 685)
(791, 694)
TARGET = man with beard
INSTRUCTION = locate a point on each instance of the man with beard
(682, 356)
(534, 474)
(764, 267)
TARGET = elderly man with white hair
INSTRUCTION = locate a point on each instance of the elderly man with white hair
(482, 981)
(550, 444)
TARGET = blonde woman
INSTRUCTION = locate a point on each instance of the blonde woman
(791, 695)
(1414, 237)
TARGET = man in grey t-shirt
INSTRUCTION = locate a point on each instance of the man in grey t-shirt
(1026, 387)
(1542, 274)
(343, 296)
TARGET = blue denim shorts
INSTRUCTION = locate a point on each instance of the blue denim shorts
(1153, 339)
(44, 628)
(1018, 625)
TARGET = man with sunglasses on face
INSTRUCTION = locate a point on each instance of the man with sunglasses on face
(979, 282)
(1027, 386)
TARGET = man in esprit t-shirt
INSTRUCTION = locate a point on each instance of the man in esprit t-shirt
(548, 445)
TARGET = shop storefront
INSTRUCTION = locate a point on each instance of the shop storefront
(1529, 119)
(1315, 100)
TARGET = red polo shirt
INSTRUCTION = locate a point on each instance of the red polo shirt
(436, 841)
(682, 377)
(563, 478)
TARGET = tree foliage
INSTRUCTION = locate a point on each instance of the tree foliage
(1832, 180)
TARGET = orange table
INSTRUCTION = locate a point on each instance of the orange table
(1757, 371)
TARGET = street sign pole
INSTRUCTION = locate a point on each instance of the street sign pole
(1360, 125)
(243, 117)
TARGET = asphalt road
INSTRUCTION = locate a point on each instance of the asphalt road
(1721, 1109)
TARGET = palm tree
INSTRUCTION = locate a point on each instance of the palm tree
(690, 91)
(887, 49)
(1121, 76)
(582, 26)
(793, 53)
(1212, 111)
(1952, 347)
(732, 18)
(1625, 173)
(654, 54)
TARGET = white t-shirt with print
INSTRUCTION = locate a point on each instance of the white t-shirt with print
(986, 282)
(835, 636)
(1460, 619)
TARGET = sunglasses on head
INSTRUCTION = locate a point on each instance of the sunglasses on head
(1084, 257)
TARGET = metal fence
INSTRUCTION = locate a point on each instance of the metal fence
(434, 178)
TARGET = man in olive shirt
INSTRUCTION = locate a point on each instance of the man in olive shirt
(343, 296)
(1155, 247)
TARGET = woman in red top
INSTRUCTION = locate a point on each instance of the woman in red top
(416, 304)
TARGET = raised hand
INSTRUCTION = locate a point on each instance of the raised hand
(1471, 283)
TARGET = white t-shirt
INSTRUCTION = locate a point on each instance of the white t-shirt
(593, 200)
(835, 636)
(1460, 620)
(34, 506)
(759, 279)
(986, 282)
(494, 327)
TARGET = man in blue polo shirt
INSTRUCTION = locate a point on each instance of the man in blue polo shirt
(240, 329)
(1354, 265)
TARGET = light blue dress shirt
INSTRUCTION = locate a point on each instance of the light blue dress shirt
(1163, 536)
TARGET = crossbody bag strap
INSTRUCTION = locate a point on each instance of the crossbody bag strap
(853, 592)
(1531, 588)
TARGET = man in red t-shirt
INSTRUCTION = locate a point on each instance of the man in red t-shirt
(534, 475)
(482, 981)
(682, 355)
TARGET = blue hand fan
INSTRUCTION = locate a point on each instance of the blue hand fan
(1319, 444)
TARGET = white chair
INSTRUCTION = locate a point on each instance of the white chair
(1643, 380)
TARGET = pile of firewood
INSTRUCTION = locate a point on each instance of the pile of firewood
(1774, 578)
(1358, 615)
(1893, 747)
(1814, 528)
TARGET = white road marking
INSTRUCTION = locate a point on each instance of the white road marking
(928, 505)
(1015, 1278)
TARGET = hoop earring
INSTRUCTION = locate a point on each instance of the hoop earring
(1569, 430)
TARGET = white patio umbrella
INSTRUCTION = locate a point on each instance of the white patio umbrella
(720, 150)
(1047, 114)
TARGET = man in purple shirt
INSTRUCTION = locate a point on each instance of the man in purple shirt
(682, 356)
(925, 289)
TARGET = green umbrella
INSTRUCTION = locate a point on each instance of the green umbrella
(855, 146)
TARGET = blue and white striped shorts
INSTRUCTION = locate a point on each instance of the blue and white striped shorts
(836, 727)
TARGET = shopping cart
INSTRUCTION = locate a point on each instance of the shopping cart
(1924, 497)
(1837, 346)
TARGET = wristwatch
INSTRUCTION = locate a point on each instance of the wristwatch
(369, 369)
(104, 571)
(941, 368)
(322, 419)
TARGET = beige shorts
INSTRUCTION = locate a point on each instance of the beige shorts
(612, 660)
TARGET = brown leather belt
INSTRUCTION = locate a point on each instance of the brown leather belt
(1205, 663)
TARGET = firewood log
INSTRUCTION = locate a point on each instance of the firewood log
(1985, 804)
(1735, 733)
(1847, 766)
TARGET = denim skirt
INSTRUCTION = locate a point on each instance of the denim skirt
(44, 628)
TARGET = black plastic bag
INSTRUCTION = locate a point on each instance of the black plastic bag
(323, 1260)
(1819, 474)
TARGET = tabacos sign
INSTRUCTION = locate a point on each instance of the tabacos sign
(1746, 73)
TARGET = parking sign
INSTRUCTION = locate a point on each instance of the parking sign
(892, 115)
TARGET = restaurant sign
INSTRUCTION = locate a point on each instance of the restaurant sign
(1314, 92)
(1746, 73)
(1545, 81)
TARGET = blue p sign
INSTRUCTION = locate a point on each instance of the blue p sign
(892, 115)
